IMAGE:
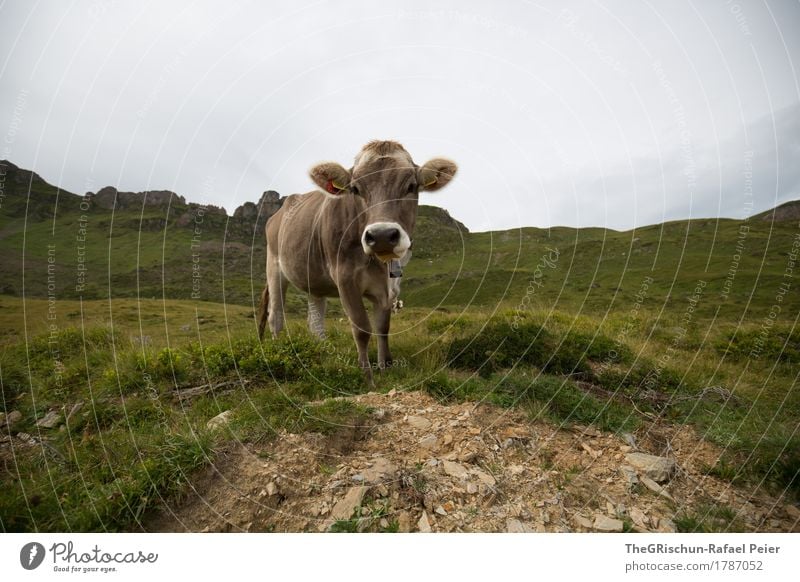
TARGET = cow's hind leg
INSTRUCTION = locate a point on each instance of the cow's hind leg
(359, 323)
(316, 316)
(263, 312)
(276, 295)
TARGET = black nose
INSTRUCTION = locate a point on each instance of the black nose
(382, 239)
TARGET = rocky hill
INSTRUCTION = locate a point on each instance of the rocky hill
(145, 244)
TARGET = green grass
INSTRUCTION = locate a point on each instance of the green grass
(134, 442)
(607, 333)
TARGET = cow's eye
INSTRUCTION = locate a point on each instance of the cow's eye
(412, 188)
(354, 189)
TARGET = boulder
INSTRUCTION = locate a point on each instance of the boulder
(219, 421)
(659, 469)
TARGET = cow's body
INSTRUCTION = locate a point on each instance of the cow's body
(338, 244)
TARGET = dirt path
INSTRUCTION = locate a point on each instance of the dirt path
(418, 465)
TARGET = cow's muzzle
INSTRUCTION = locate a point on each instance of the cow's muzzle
(385, 240)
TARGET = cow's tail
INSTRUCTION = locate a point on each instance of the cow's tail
(263, 312)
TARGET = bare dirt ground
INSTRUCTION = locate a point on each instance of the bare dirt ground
(418, 465)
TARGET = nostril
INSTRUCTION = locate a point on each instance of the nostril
(369, 239)
(394, 236)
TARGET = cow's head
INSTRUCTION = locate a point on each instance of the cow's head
(390, 182)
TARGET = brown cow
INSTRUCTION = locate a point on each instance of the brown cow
(337, 243)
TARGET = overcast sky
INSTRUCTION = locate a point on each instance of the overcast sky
(616, 114)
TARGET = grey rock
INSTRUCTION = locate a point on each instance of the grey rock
(655, 487)
(419, 422)
(424, 524)
(381, 469)
(76, 408)
(582, 521)
(639, 518)
(219, 420)
(345, 507)
(605, 523)
(666, 525)
(484, 477)
(12, 418)
(454, 469)
(50, 420)
(630, 475)
(516, 526)
(659, 469)
(429, 442)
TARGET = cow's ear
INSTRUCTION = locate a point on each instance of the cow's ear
(436, 173)
(331, 177)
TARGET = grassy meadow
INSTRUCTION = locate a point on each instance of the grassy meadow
(686, 322)
(131, 436)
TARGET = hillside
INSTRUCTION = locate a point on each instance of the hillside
(149, 245)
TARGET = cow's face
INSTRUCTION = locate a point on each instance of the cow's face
(389, 181)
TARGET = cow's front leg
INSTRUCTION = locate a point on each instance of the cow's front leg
(359, 323)
(383, 316)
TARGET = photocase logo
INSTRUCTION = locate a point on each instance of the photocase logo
(31, 555)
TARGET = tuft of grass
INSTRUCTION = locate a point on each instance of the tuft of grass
(708, 518)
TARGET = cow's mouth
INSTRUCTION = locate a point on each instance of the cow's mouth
(387, 257)
(385, 240)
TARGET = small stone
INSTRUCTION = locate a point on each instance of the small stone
(262, 493)
(345, 507)
(639, 518)
(358, 478)
(515, 470)
(423, 525)
(441, 510)
(611, 509)
(13, 417)
(592, 453)
(589, 431)
(467, 456)
(629, 439)
(76, 408)
(455, 469)
(516, 526)
(474, 430)
(384, 523)
(272, 488)
(381, 469)
(472, 489)
(404, 521)
(449, 506)
(220, 420)
(429, 442)
(447, 439)
(666, 525)
(625, 448)
(379, 413)
(50, 420)
(484, 477)
(392, 392)
(630, 475)
(655, 487)
(659, 469)
(418, 422)
(605, 523)
(582, 521)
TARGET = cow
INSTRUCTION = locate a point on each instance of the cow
(339, 241)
